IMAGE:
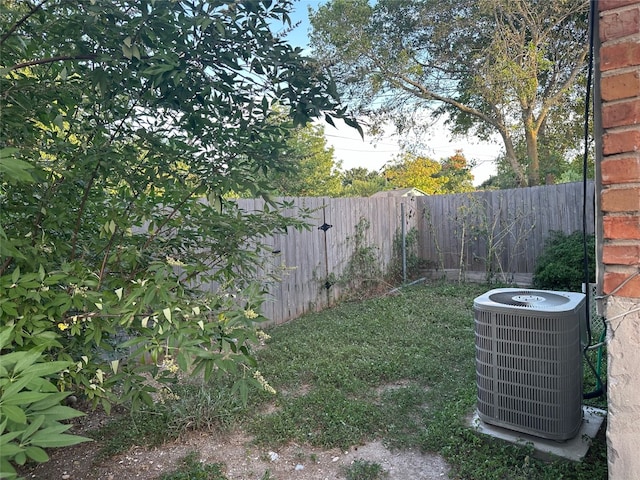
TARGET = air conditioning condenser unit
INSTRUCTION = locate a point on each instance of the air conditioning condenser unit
(529, 360)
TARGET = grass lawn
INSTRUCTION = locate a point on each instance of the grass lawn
(398, 368)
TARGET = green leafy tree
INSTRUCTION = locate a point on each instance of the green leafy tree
(415, 171)
(574, 170)
(450, 175)
(505, 67)
(313, 171)
(457, 174)
(123, 126)
(361, 182)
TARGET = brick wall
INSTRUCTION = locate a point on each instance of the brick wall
(620, 165)
(619, 232)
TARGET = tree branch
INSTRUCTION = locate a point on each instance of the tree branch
(60, 58)
(427, 94)
(552, 100)
(5, 264)
(17, 25)
(94, 174)
(173, 212)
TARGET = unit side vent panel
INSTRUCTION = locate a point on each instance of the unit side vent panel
(529, 371)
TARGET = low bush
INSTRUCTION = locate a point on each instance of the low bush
(561, 264)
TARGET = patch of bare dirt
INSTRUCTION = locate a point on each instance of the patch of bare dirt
(243, 460)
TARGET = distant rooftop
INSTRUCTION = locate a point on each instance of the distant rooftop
(401, 192)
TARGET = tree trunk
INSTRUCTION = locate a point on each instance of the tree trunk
(510, 151)
(531, 137)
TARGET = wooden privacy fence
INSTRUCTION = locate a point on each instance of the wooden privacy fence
(314, 263)
(497, 233)
(500, 233)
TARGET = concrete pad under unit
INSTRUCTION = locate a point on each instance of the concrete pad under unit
(573, 449)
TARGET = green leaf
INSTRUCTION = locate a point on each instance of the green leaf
(43, 385)
(6, 469)
(9, 308)
(59, 122)
(106, 405)
(61, 412)
(45, 369)
(15, 170)
(7, 437)
(35, 424)
(5, 335)
(182, 361)
(15, 276)
(51, 430)
(252, 362)
(37, 454)
(8, 249)
(16, 385)
(329, 120)
(354, 124)
(13, 412)
(8, 360)
(26, 360)
(146, 398)
(159, 69)
(58, 440)
(20, 458)
(23, 398)
(10, 450)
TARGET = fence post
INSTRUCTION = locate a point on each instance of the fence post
(404, 244)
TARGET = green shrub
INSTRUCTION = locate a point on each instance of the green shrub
(120, 251)
(30, 409)
(561, 264)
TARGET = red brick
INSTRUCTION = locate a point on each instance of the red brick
(620, 55)
(611, 4)
(624, 85)
(621, 141)
(621, 254)
(621, 114)
(621, 200)
(619, 24)
(620, 170)
(621, 228)
(613, 280)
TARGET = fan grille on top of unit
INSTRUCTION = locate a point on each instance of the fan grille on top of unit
(529, 299)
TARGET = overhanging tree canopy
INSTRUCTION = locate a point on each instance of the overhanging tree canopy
(118, 119)
(494, 66)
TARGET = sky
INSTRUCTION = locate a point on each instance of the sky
(352, 151)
